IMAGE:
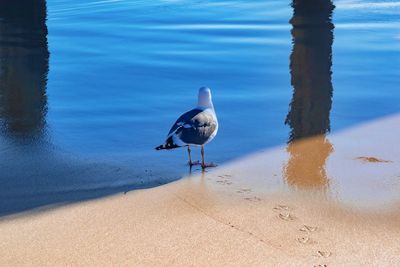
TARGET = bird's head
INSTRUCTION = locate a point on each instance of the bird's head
(205, 98)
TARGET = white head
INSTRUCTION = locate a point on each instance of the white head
(205, 98)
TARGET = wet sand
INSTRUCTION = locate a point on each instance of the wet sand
(289, 206)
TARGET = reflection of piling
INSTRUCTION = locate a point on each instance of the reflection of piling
(310, 68)
(306, 166)
(24, 64)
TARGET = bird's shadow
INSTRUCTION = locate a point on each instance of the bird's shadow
(40, 176)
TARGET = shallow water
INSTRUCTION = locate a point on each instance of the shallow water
(89, 89)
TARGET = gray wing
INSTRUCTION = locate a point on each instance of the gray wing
(198, 129)
(184, 119)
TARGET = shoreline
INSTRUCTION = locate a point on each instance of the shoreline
(253, 211)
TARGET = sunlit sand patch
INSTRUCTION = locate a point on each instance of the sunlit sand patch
(325, 167)
(373, 160)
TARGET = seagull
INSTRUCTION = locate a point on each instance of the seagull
(196, 127)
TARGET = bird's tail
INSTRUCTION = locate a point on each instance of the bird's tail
(169, 144)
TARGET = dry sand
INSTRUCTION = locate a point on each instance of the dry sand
(327, 200)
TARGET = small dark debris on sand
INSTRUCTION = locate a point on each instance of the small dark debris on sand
(373, 160)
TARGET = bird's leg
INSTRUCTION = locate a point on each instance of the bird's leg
(190, 157)
(203, 164)
(191, 163)
(202, 157)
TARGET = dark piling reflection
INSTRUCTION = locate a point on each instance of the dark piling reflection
(310, 68)
(24, 64)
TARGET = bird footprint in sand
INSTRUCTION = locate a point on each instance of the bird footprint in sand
(304, 240)
(224, 182)
(284, 212)
(243, 190)
(253, 198)
(224, 179)
(309, 229)
(324, 254)
(281, 207)
(286, 216)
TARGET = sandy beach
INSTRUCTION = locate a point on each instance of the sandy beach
(251, 212)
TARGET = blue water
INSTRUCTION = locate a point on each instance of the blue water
(89, 88)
